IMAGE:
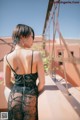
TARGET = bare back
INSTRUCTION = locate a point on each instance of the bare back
(23, 61)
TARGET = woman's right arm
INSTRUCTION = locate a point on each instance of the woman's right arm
(41, 73)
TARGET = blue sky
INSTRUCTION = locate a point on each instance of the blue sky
(69, 20)
(30, 12)
(33, 13)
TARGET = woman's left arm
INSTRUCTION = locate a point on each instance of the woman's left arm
(7, 74)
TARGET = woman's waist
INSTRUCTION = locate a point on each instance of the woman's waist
(25, 89)
(25, 84)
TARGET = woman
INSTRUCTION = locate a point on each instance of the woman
(27, 66)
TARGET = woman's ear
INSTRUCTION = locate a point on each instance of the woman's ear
(22, 42)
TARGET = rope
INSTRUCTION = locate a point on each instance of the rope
(65, 76)
(54, 16)
(6, 43)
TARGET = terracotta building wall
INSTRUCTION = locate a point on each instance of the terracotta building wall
(72, 68)
(4, 49)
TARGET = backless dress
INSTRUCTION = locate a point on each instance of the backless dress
(23, 98)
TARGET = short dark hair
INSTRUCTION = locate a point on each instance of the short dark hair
(22, 30)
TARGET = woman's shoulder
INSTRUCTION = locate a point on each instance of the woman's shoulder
(36, 53)
(6, 57)
(9, 55)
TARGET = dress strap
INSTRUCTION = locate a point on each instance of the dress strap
(10, 65)
(32, 62)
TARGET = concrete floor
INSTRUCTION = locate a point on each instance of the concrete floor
(53, 105)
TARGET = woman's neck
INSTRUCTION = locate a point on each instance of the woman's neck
(20, 47)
